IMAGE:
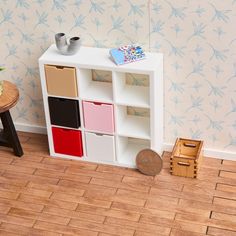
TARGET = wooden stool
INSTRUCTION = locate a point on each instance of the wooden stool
(8, 136)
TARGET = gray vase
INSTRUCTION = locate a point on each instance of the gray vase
(66, 48)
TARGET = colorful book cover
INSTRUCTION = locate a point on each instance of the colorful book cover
(126, 54)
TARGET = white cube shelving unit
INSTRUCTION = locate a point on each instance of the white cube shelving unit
(133, 130)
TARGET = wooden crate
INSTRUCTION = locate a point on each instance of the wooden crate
(186, 157)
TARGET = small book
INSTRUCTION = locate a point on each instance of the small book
(127, 53)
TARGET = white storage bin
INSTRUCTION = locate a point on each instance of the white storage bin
(100, 147)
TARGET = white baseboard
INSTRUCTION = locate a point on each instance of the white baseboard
(219, 154)
(30, 128)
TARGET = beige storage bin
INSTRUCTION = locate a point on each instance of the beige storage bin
(61, 81)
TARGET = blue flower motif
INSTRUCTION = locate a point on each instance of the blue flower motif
(215, 105)
(7, 16)
(59, 5)
(177, 12)
(96, 7)
(215, 124)
(79, 21)
(216, 90)
(196, 103)
(117, 24)
(217, 70)
(218, 54)
(116, 5)
(220, 15)
(42, 19)
(199, 11)
(177, 51)
(197, 68)
(157, 27)
(198, 30)
(156, 8)
(22, 3)
(136, 9)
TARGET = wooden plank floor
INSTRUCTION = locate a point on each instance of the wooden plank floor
(40, 195)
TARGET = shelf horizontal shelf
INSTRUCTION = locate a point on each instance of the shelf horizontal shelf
(134, 126)
(98, 91)
(134, 96)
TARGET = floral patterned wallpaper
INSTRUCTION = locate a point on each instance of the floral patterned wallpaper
(198, 39)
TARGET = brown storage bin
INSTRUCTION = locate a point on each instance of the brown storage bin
(61, 81)
(186, 157)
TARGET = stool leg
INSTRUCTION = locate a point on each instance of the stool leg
(9, 130)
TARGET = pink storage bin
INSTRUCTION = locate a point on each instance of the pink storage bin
(98, 117)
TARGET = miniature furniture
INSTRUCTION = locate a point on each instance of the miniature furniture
(8, 136)
(186, 157)
(103, 119)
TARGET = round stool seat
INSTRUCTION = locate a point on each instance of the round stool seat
(9, 97)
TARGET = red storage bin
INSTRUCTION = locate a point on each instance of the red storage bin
(67, 141)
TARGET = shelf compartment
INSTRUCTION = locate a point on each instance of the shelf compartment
(67, 141)
(64, 112)
(98, 117)
(132, 89)
(128, 148)
(61, 80)
(100, 147)
(95, 85)
(133, 122)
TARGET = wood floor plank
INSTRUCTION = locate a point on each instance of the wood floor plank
(65, 230)
(144, 211)
(81, 200)
(105, 228)
(224, 202)
(228, 174)
(56, 188)
(36, 179)
(74, 214)
(114, 197)
(220, 232)
(206, 221)
(17, 220)
(48, 202)
(62, 175)
(25, 231)
(68, 163)
(122, 214)
(36, 165)
(223, 216)
(142, 227)
(93, 173)
(39, 216)
(177, 232)
(175, 224)
(116, 184)
(226, 187)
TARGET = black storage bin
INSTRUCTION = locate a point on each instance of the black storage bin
(64, 112)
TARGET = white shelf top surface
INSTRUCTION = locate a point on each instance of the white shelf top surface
(99, 58)
(97, 91)
(135, 96)
(133, 126)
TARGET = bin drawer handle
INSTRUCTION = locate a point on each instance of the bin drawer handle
(191, 145)
(183, 163)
